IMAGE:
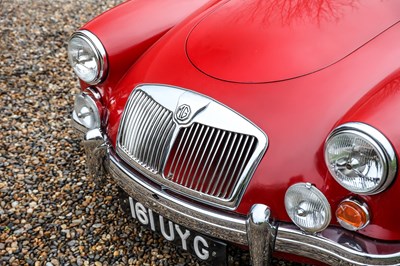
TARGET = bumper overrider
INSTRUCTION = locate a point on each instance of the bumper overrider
(258, 231)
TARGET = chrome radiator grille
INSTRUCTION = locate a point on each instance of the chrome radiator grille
(209, 160)
(147, 127)
(190, 144)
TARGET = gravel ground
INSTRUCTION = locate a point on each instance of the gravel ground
(51, 212)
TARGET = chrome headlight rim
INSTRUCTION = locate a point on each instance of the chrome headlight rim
(379, 142)
(99, 52)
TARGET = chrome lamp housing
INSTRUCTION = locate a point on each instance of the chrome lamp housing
(360, 158)
(87, 56)
(307, 207)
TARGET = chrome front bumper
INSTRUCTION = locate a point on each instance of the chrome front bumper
(333, 246)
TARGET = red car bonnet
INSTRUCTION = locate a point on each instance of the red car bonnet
(297, 114)
(284, 35)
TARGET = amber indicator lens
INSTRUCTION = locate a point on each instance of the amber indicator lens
(352, 215)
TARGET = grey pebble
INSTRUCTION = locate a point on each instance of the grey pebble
(72, 243)
(19, 231)
(97, 225)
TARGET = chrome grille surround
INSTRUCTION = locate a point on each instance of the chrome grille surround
(190, 144)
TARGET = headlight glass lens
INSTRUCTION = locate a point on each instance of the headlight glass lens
(86, 111)
(357, 161)
(87, 57)
(307, 207)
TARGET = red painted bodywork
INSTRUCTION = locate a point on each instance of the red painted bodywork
(292, 71)
(129, 29)
(265, 41)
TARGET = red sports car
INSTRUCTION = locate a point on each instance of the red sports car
(270, 125)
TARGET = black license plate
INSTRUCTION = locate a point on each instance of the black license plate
(203, 247)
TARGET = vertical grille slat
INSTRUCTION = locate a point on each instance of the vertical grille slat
(169, 128)
(186, 158)
(138, 129)
(201, 159)
(245, 158)
(191, 161)
(221, 156)
(174, 163)
(218, 181)
(131, 120)
(163, 117)
(231, 161)
(151, 141)
(143, 118)
(189, 144)
(239, 157)
(133, 126)
(149, 137)
(125, 118)
(143, 129)
(210, 164)
(206, 164)
(195, 162)
(181, 151)
(209, 160)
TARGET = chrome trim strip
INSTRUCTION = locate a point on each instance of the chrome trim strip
(382, 145)
(324, 247)
(101, 53)
(206, 222)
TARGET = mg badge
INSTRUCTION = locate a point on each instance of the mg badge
(183, 112)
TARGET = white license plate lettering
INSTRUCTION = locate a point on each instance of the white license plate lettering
(183, 236)
(170, 236)
(201, 252)
(188, 240)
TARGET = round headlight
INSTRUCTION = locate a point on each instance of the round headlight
(307, 207)
(86, 111)
(87, 57)
(360, 158)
